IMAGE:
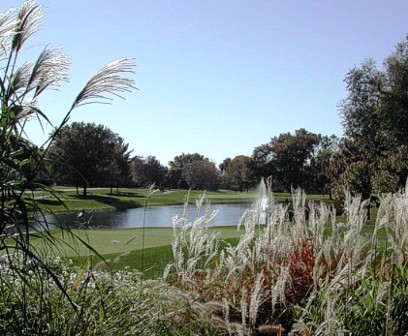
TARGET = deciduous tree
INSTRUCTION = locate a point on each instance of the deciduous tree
(89, 154)
(238, 174)
(375, 120)
(175, 178)
(293, 160)
(202, 175)
(146, 171)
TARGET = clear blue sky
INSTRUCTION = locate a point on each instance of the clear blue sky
(217, 77)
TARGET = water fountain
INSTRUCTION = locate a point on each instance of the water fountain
(262, 204)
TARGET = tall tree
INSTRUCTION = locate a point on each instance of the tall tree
(375, 120)
(202, 175)
(148, 171)
(237, 174)
(261, 164)
(175, 177)
(89, 154)
(394, 94)
(118, 174)
(289, 159)
(347, 170)
(322, 154)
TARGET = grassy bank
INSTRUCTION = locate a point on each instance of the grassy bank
(125, 198)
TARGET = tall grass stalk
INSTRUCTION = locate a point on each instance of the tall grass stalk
(150, 192)
(310, 273)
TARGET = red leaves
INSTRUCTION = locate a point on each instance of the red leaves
(301, 267)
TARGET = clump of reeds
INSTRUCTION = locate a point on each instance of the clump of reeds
(308, 272)
(108, 303)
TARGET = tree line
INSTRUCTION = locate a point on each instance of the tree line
(371, 157)
(86, 154)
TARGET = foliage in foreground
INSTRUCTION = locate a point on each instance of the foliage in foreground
(22, 83)
(305, 274)
(309, 276)
(107, 303)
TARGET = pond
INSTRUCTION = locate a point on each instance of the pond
(154, 216)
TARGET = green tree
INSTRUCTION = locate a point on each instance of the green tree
(347, 170)
(202, 175)
(121, 175)
(237, 174)
(147, 171)
(261, 164)
(394, 94)
(322, 154)
(290, 159)
(89, 155)
(375, 119)
(175, 178)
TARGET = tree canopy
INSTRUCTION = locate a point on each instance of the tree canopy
(238, 173)
(146, 171)
(375, 120)
(193, 171)
(88, 154)
(294, 160)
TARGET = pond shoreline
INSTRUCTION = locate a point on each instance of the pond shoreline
(151, 216)
(102, 200)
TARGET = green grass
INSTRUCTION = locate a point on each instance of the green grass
(155, 259)
(101, 198)
(116, 241)
(121, 248)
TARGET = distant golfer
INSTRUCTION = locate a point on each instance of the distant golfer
(81, 214)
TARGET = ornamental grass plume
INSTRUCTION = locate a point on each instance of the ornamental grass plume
(363, 294)
(310, 274)
(194, 246)
(252, 277)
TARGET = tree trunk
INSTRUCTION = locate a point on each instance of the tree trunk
(84, 194)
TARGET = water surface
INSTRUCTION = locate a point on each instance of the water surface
(154, 216)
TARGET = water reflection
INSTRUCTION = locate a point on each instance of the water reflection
(155, 216)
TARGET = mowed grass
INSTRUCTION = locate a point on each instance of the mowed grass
(121, 249)
(124, 198)
(113, 241)
(99, 199)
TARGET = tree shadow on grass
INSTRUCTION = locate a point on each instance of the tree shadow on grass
(127, 194)
(48, 202)
(111, 201)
